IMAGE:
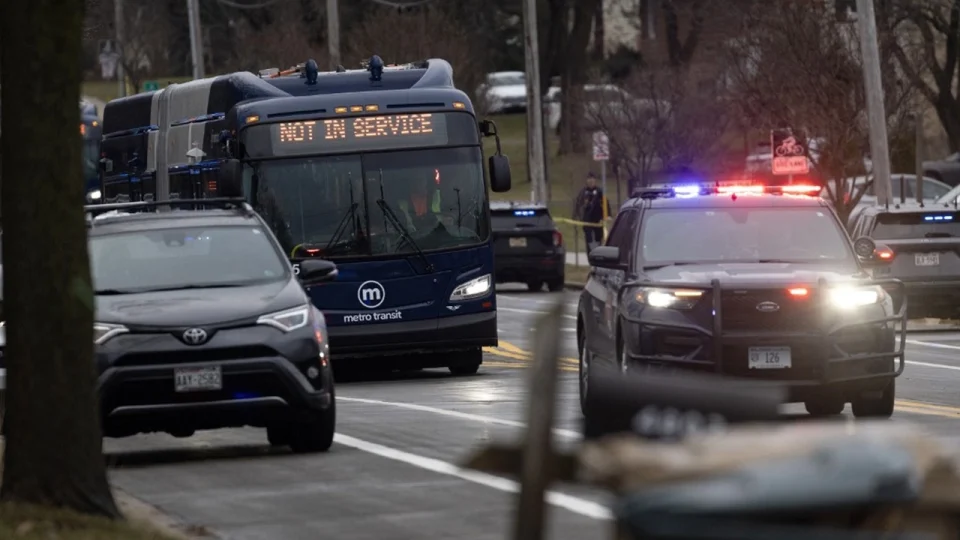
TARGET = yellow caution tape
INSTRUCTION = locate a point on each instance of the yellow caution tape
(581, 223)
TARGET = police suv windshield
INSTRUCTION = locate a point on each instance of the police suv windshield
(184, 258)
(437, 195)
(908, 226)
(742, 234)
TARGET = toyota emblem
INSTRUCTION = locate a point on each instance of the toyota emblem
(195, 336)
(768, 307)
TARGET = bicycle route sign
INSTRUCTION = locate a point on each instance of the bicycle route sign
(601, 146)
(788, 154)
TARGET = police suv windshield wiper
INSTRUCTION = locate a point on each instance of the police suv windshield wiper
(664, 265)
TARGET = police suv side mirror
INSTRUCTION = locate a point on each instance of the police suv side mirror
(230, 182)
(870, 253)
(499, 167)
(605, 257)
(313, 271)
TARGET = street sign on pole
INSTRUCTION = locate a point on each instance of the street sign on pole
(788, 154)
(601, 146)
(151, 86)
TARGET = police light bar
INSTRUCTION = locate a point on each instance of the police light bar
(946, 217)
(524, 213)
(694, 190)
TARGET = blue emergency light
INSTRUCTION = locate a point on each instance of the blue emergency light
(947, 217)
(524, 213)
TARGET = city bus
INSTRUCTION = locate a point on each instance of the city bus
(90, 134)
(379, 169)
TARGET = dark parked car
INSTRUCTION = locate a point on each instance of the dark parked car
(528, 248)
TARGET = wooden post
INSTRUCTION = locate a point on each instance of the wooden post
(538, 449)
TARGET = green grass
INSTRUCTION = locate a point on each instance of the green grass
(107, 90)
(576, 274)
(26, 522)
(565, 174)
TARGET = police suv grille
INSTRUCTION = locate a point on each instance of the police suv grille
(739, 311)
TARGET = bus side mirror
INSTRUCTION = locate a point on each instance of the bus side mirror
(231, 178)
(499, 167)
(106, 165)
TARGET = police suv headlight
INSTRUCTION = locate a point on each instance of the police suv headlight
(475, 288)
(669, 298)
(854, 297)
(102, 332)
(287, 320)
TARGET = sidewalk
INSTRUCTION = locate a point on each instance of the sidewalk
(572, 259)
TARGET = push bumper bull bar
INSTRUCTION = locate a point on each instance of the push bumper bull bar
(824, 337)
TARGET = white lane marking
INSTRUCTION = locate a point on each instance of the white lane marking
(531, 311)
(933, 345)
(456, 414)
(927, 364)
(576, 505)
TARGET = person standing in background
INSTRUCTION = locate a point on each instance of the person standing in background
(589, 209)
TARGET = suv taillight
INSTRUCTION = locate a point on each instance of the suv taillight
(557, 239)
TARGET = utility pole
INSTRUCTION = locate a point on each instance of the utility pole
(920, 149)
(196, 38)
(333, 33)
(119, 47)
(877, 116)
(535, 151)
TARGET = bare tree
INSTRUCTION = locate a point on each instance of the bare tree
(400, 37)
(53, 452)
(281, 41)
(147, 34)
(794, 67)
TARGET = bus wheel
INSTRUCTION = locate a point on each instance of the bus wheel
(468, 363)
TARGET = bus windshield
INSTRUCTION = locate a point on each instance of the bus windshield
(359, 205)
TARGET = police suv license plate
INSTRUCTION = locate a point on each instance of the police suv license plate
(769, 358)
(927, 259)
(518, 242)
(197, 379)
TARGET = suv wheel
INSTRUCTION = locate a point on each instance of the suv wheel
(469, 364)
(534, 286)
(555, 285)
(315, 434)
(876, 406)
(278, 434)
(825, 403)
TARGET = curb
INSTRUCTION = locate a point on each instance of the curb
(139, 511)
(574, 285)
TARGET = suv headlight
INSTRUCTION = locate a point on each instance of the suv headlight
(287, 320)
(475, 288)
(854, 297)
(669, 298)
(103, 332)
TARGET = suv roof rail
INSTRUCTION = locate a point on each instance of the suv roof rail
(220, 202)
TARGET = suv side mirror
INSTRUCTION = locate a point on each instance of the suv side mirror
(870, 253)
(313, 271)
(499, 167)
(605, 257)
(230, 182)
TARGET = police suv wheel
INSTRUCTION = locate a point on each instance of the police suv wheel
(555, 285)
(876, 406)
(278, 434)
(315, 434)
(586, 365)
(535, 286)
(825, 404)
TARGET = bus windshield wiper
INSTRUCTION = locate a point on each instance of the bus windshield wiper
(664, 265)
(349, 215)
(389, 215)
(404, 233)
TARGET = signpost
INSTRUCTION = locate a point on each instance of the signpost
(788, 155)
(601, 153)
(151, 86)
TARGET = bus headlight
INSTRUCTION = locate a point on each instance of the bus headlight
(94, 195)
(845, 298)
(475, 288)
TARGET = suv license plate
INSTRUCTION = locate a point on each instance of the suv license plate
(518, 242)
(769, 358)
(927, 259)
(197, 379)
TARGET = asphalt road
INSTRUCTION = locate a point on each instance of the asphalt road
(393, 473)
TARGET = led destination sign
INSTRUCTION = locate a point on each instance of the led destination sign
(360, 133)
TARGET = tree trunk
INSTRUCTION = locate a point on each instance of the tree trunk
(53, 436)
(574, 76)
(599, 34)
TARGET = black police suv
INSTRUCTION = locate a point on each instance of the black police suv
(203, 323)
(528, 248)
(922, 246)
(762, 285)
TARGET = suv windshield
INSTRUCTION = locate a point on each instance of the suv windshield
(742, 235)
(910, 226)
(329, 205)
(507, 80)
(184, 258)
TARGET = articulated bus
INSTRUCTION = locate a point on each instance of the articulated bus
(378, 169)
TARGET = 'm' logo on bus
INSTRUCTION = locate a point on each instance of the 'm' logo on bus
(371, 294)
